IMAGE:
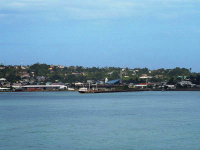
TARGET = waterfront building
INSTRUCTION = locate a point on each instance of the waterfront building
(117, 81)
(44, 87)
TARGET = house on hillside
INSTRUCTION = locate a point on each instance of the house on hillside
(185, 83)
(1, 68)
(76, 74)
(40, 78)
(110, 73)
(78, 84)
(158, 76)
(90, 81)
(2, 80)
(170, 86)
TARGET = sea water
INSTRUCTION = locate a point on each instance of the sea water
(112, 121)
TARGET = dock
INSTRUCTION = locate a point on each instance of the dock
(112, 91)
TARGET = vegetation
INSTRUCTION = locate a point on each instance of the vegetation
(72, 74)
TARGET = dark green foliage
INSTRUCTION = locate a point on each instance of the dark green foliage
(55, 77)
(123, 87)
(172, 81)
(195, 79)
(40, 69)
(179, 72)
(81, 74)
(13, 78)
(179, 86)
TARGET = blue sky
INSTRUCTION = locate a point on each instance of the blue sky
(121, 33)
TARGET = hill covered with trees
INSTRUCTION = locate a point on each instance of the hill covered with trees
(44, 73)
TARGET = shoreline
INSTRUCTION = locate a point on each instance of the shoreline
(136, 90)
(112, 91)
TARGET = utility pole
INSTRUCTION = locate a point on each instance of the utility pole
(120, 76)
(21, 62)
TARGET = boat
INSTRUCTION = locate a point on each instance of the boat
(82, 90)
(71, 89)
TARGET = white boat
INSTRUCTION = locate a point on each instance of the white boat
(82, 90)
(70, 89)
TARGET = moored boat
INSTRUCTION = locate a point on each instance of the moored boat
(82, 90)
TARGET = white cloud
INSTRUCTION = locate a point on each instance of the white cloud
(103, 11)
(99, 9)
(18, 4)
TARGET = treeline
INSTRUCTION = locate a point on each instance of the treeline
(56, 73)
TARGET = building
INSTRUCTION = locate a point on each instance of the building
(185, 83)
(2, 80)
(1, 68)
(17, 85)
(142, 85)
(158, 76)
(78, 84)
(4, 89)
(117, 81)
(100, 82)
(90, 81)
(170, 86)
(43, 87)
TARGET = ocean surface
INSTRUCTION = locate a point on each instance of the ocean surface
(106, 121)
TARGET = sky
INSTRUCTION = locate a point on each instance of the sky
(114, 33)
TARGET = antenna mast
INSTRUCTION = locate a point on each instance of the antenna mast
(21, 62)
(120, 76)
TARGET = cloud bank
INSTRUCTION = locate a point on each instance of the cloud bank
(96, 10)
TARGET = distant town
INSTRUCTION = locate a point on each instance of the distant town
(44, 77)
